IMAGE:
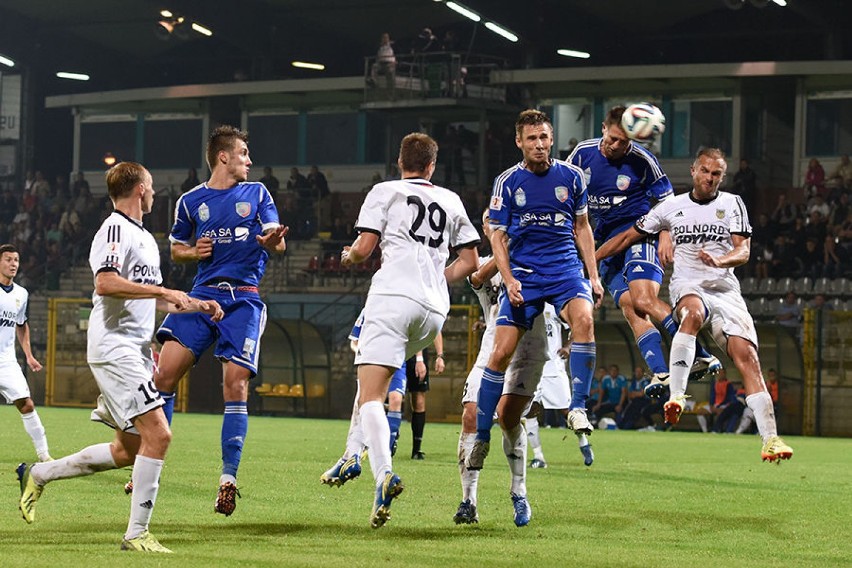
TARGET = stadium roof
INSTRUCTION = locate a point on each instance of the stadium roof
(121, 44)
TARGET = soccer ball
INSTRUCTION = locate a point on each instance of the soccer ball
(643, 122)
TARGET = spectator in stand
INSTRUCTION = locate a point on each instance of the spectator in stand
(842, 176)
(270, 181)
(722, 393)
(40, 187)
(814, 179)
(745, 184)
(321, 192)
(817, 204)
(80, 184)
(613, 394)
(762, 238)
(839, 210)
(832, 265)
(385, 62)
(810, 261)
(817, 303)
(784, 215)
(305, 219)
(61, 191)
(191, 181)
(789, 314)
(297, 181)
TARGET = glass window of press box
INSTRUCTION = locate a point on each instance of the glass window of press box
(829, 125)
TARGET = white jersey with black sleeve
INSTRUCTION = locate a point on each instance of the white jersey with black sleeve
(697, 225)
(418, 223)
(118, 326)
(13, 312)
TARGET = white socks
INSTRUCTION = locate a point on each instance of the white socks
(355, 438)
(374, 424)
(681, 356)
(764, 414)
(469, 478)
(146, 483)
(85, 462)
(515, 448)
(534, 440)
(33, 426)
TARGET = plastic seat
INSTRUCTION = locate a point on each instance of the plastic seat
(331, 264)
(766, 287)
(822, 286)
(313, 265)
(804, 286)
(263, 388)
(281, 389)
(748, 285)
(784, 285)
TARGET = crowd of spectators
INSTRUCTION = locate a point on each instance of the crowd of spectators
(47, 222)
(811, 239)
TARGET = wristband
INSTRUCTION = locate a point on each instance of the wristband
(420, 358)
(439, 356)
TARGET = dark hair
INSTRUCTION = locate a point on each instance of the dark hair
(715, 153)
(123, 177)
(530, 117)
(613, 115)
(8, 248)
(417, 151)
(221, 139)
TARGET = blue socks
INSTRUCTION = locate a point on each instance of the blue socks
(651, 346)
(581, 361)
(169, 407)
(490, 391)
(234, 430)
(394, 421)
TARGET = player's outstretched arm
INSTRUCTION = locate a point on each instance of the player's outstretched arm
(617, 243)
(184, 253)
(463, 266)
(273, 239)
(360, 250)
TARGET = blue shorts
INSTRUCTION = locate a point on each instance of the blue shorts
(639, 262)
(398, 380)
(538, 289)
(237, 336)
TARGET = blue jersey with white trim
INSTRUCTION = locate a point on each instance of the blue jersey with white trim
(620, 191)
(537, 212)
(233, 218)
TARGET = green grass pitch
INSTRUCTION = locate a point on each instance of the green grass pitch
(650, 499)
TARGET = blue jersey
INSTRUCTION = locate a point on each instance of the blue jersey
(537, 212)
(232, 218)
(619, 192)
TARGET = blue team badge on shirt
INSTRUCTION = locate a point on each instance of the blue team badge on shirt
(622, 182)
(203, 212)
(561, 193)
(243, 208)
(520, 197)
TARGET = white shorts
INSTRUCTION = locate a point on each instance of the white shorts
(554, 391)
(127, 391)
(524, 372)
(395, 328)
(13, 384)
(728, 314)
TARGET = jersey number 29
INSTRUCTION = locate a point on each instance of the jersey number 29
(437, 221)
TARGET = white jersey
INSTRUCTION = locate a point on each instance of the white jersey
(695, 226)
(418, 223)
(117, 326)
(13, 312)
(553, 325)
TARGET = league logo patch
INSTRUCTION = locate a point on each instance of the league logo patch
(243, 208)
(241, 233)
(561, 193)
(622, 182)
(496, 202)
(203, 212)
(520, 197)
(720, 213)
